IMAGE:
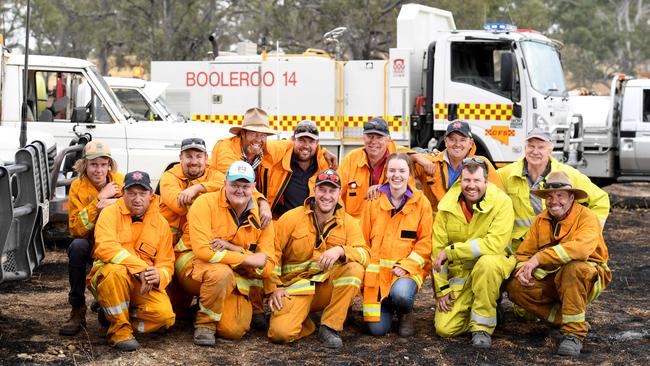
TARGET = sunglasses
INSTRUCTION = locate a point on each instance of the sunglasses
(331, 177)
(307, 128)
(193, 141)
(556, 185)
(473, 160)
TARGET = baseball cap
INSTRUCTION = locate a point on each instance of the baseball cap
(240, 170)
(376, 125)
(459, 126)
(137, 178)
(193, 143)
(538, 133)
(306, 128)
(96, 149)
(328, 176)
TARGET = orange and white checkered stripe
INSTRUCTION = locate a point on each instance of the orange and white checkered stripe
(476, 111)
(288, 123)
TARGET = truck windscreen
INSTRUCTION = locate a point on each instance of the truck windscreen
(544, 68)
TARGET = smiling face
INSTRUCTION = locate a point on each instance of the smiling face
(253, 142)
(457, 145)
(304, 148)
(538, 152)
(326, 196)
(473, 185)
(397, 174)
(239, 192)
(193, 163)
(559, 203)
(137, 199)
(375, 144)
(97, 170)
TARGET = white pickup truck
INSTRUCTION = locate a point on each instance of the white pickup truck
(144, 99)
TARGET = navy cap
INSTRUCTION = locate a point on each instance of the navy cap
(328, 176)
(459, 126)
(376, 125)
(137, 178)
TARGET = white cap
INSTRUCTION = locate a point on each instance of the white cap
(240, 170)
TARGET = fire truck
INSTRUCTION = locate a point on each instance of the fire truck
(504, 81)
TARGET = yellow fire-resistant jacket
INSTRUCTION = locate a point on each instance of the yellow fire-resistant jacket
(82, 204)
(299, 244)
(516, 186)
(356, 178)
(210, 217)
(578, 237)
(488, 233)
(401, 239)
(228, 151)
(135, 245)
(172, 183)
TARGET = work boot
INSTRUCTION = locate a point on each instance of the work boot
(481, 339)
(128, 345)
(204, 337)
(76, 322)
(259, 321)
(329, 337)
(101, 318)
(406, 326)
(570, 346)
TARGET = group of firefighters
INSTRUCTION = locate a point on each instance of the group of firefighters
(282, 223)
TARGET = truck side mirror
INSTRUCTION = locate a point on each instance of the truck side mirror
(507, 71)
(79, 115)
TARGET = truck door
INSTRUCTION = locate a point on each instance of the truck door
(52, 97)
(138, 105)
(642, 136)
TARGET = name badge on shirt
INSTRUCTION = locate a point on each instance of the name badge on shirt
(408, 234)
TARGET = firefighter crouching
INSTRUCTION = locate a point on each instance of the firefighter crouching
(562, 262)
(321, 258)
(471, 231)
(228, 252)
(398, 227)
(98, 186)
(134, 263)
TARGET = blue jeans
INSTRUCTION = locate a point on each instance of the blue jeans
(400, 301)
(78, 260)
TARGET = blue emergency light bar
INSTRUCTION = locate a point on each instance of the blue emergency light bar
(499, 27)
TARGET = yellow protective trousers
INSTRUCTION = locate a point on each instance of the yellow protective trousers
(561, 297)
(222, 305)
(333, 296)
(476, 291)
(126, 309)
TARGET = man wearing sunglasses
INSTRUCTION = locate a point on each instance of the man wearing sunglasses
(180, 185)
(530, 172)
(562, 262)
(321, 258)
(470, 234)
(459, 144)
(287, 184)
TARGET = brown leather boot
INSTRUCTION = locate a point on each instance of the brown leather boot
(76, 321)
(406, 325)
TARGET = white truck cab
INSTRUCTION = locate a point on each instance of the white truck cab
(144, 99)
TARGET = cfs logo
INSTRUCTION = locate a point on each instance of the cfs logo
(398, 67)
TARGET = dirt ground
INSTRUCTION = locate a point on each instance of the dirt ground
(31, 312)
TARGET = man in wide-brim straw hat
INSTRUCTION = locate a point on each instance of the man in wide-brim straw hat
(562, 263)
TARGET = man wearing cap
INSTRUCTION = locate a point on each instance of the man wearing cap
(229, 252)
(179, 187)
(363, 167)
(470, 235)
(562, 262)
(134, 263)
(98, 185)
(529, 173)
(459, 144)
(321, 256)
(288, 183)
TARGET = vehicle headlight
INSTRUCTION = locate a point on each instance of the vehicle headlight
(540, 122)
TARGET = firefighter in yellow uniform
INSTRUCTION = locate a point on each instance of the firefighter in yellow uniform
(459, 144)
(470, 234)
(529, 172)
(321, 258)
(134, 263)
(228, 252)
(98, 186)
(398, 227)
(180, 185)
(562, 263)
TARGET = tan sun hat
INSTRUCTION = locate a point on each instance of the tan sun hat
(96, 149)
(558, 181)
(255, 119)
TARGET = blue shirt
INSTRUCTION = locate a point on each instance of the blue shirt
(385, 188)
